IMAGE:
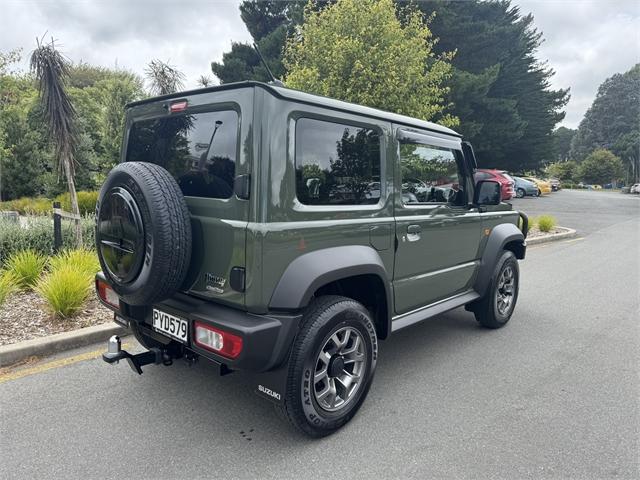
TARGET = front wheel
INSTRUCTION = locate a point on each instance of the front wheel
(520, 193)
(494, 310)
(331, 367)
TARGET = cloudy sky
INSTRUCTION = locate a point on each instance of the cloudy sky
(586, 41)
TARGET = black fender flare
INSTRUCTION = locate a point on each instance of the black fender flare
(499, 237)
(312, 270)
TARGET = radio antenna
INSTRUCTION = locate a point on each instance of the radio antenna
(274, 80)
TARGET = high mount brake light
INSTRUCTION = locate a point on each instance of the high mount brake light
(178, 106)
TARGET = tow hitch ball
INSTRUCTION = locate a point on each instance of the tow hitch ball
(136, 361)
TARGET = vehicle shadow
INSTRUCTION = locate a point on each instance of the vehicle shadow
(228, 408)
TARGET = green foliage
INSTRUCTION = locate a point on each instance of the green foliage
(500, 90)
(26, 266)
(8, 285)
(565, 171)
(28, 206)
(360, 52)
(546, 223)
(601, 166)
(36, 233)
(27, 161)
(82, 259)
(86, 201)
(562, 137)
(65, 289)
(612, 122)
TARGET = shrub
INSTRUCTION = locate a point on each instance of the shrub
(26, 266)
(546, 223)
(29, 206)
(83, 259)
(86, 202)
(65, 290)
(36, 233)
(8, 285)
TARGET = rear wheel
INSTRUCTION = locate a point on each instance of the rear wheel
(331, 366)
(494, 310)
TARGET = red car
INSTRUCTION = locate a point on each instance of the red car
(500, 176)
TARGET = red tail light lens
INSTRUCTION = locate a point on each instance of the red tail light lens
(107, 295)
(218, 341)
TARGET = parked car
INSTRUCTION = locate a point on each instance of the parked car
(525, 187)
(506, 182)
(635, 188)
(544, 187)
(231, 255)
(555, 184)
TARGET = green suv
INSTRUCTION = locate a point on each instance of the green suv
(276, 232)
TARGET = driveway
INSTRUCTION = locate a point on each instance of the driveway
(552, 395)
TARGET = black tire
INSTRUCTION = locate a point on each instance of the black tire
(325, 318)
(487, 310)
(520, 193)
(143, 233)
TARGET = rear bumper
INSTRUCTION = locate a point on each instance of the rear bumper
(266, 339)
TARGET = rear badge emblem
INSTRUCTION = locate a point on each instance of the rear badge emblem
(214, 283)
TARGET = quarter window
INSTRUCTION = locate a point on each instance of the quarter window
(336, 164)
(431, 174)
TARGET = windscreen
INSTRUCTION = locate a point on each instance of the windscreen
(199, 150)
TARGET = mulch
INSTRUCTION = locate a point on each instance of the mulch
(24, 316)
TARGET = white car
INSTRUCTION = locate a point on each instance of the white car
(635, 188)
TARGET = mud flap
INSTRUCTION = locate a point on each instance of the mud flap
(272, 385)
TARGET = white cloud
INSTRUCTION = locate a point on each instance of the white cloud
(585, 42)
(189, 34)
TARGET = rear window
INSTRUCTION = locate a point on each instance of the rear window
(336, 164)
(199, 150)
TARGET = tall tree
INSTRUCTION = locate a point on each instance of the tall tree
(500, 90)
(562, 137)
(51, 69)
(358, 51)
(269, 23)
(613, 121)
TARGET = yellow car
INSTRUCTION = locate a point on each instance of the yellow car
(544, 187)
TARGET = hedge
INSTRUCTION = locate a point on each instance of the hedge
(36, 233)
(43, 206)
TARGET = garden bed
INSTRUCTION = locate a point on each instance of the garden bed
(25, 316)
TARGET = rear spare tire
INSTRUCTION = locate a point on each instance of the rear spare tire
(143, 233)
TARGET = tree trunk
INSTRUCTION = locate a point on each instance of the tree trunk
(73, 195)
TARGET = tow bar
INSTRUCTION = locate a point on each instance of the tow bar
(136, 361)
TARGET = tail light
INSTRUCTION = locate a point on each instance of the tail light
(217, 341)
(108, 296)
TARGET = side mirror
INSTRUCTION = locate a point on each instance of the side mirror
(487, 192)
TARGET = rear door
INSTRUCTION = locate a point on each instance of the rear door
(200, 144)
(437, 232)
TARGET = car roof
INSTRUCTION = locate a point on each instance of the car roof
(312, 99)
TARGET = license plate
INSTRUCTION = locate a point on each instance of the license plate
(171, 326)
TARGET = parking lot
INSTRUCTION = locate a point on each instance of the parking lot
(552, 395)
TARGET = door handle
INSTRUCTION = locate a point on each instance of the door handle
(414, 229)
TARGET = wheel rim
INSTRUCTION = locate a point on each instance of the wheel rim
(505, 291)
(520, 193)
(339, 369)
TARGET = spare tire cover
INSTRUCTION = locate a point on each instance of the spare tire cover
(143, 233)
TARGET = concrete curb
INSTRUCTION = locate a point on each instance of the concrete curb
(568, 233)
(10, 354)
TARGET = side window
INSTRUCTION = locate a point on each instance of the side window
(431, 174)
(336, 164)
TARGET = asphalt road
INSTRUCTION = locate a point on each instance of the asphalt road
(555, 394)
